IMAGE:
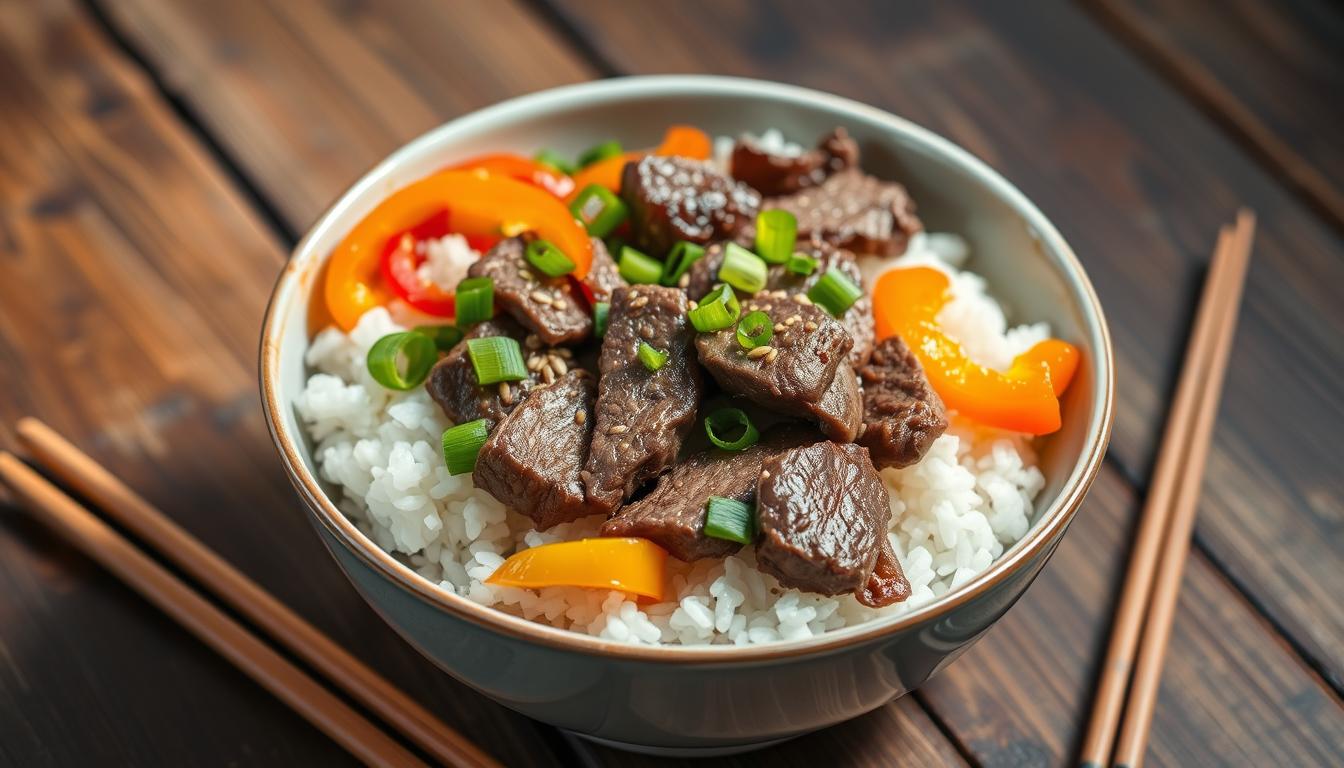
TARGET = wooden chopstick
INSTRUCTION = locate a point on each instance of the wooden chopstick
(97, 540)
(1213, 327)
(245, 596)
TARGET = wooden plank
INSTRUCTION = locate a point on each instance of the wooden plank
(1269, 73)
(1138, 181)
(134, 282)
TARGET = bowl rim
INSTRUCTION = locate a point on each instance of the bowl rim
(1052, 521)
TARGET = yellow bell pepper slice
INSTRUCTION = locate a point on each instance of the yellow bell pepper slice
(629, 565)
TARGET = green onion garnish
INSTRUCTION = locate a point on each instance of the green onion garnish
(553, 159)
(835, 292)
(729, 519)
(719, 423)
(600, 152)
(801, 264)
(653, 359)
(599, 209)
(462, 444)
(742, 269)
(600, 310)
(401, 361)
(754, 330)
(445, 336)
(637, 268)
(475, 300)
(679, 260)
(496, 359)
(717, 310)
(548, 259)
(776, 231)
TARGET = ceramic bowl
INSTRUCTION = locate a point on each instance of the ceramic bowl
(712, 700)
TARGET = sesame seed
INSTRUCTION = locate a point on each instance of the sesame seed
(801, 298)
(505, 393)
(770, 358)
(634, 295)
(617, 430)
(810, 326)
(791, 321)
(580, 417)
(639, 302)
(795, 319)
(779, 327)
(559, 304)
(540, 298)
(684, 281)
(548, 374)
(692, 304)
(760, 352)
(558, 364)
(765, 474)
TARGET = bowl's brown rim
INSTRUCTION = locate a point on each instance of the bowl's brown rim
(1055, 519)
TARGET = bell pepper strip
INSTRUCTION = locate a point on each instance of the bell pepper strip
(523, 169)
(679, 141)
(1024, 398)
(478, 204)
(629, 565)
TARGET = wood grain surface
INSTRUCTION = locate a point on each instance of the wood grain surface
(159, 156)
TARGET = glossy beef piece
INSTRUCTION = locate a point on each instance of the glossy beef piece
(674, 198)
(855, 211)
(544, 305)
(887, 584)
(642, 416)
(452, 381)
(807, 347)
(532, 460)
(603, 276)
(821, 513)
(773, 174)
(839, 413)
(672, 515)
(902, 415)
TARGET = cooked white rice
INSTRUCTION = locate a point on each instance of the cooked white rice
(952, 514)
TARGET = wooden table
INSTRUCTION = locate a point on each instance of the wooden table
(158, 159)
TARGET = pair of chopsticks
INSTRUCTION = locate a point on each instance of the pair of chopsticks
(261, 662)
(1152, 582)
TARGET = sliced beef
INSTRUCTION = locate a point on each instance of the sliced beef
(642, 416)
(790, 373)
(704, 273)
(603, 276)
(887, 584)
(532, 460)
(774, 174)
(452, 381)
(672, 515)
(544, 305)
(839, 412)
(674, 198)
(855, 211)
(822, 513)
(902, 415)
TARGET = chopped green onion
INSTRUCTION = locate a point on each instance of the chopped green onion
(835, 292)
(496, 359)
(776, 231)
(724, 420)
(653, 359)
(475, 300)
(801, 264)
(717, 310)
(679, 261)
(445, 336)
(600, 152)
(555, 160)
(729, 519)
(600, 311)
(742, 269)
(637, 268)
(462, 444)
(599, 209)
(548, 259)
(415, 352)
(754, 330)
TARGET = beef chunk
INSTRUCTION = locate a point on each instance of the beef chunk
(798, 365)
(452, 381)
(704, 273)
(673, 198)
(642, 416)
(839, 412)
(777, 174)
(603, 276)
(673, 514)
(544, 305)
(822, 513)
(887, 584)
(902, 415)
(532, 460)
(855, 211)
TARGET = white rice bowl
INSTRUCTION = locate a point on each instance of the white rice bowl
(952, 514)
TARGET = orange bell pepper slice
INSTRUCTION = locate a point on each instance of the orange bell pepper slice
(523, 169)
(679, 141)
(1024, 398)
(629, 565)
(478, 203)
